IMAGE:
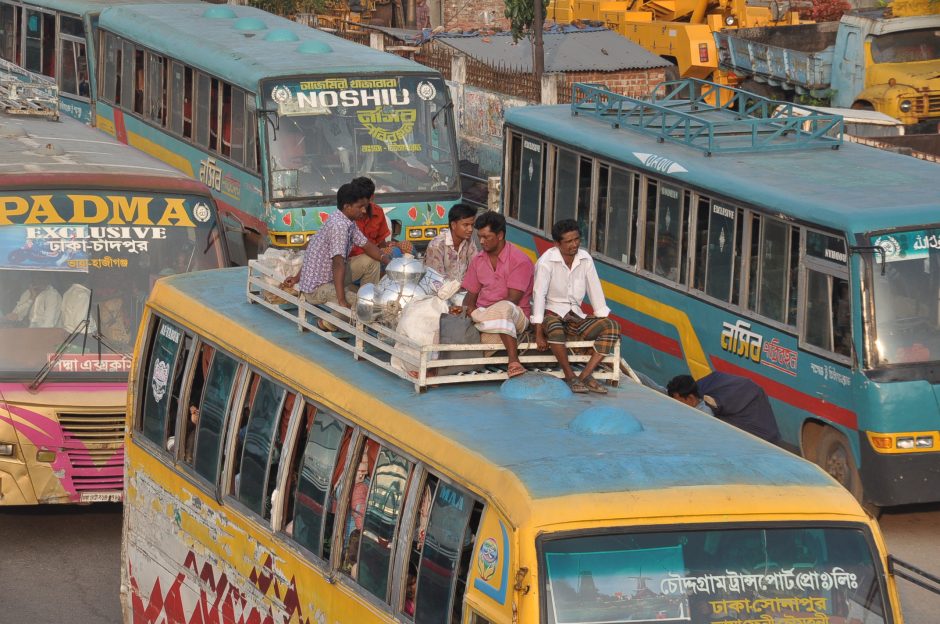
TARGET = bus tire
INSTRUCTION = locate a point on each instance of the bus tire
(834, 455)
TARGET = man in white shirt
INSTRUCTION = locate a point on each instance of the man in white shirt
(563, 275)
(38, 306)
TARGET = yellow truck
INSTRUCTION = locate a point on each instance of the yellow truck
(681, 31)
(871, 60)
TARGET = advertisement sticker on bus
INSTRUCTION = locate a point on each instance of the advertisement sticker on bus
(492, 558)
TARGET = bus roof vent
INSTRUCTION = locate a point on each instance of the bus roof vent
(535, 387)
(281, 34)
(249, 23)
(685, 112)
(605, 420)
(314, 47)
(219, 12)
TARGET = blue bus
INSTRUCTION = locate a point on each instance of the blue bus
(53, 38)
(758, 245)
(275, 116)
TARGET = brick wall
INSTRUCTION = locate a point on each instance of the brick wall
(632, 82)
(469, 14)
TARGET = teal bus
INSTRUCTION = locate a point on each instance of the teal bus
(274, 116)
(53, 37)
(758, 245)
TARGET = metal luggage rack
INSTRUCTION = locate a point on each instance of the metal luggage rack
(23, 92)
(378, 344)
(713, 118)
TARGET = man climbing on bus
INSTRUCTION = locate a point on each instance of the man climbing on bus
(736, 400)
(322, 277)
(499, 288)
(563, 275)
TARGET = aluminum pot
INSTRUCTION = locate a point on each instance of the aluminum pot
(365, 305)
(405, 270)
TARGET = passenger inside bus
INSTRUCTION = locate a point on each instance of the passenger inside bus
(39, 305)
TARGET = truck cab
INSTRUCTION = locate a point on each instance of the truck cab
(891, 65)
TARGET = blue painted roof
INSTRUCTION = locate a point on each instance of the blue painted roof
(81, 7)
(679, 446)
(854, 189)
(223, 46)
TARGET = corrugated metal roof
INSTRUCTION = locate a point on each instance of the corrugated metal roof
(584, 50)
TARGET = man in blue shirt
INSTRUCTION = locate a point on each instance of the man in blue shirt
(733, 399)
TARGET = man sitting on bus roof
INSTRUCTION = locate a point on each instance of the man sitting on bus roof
(499, 288)
(733, 399)
(322, 277)
(451, 251)
(563, 275)
(361, 268)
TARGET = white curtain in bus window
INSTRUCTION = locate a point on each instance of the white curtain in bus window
(437, 571)
(669, 220)
(530, 182)
(721, 245)
(212, 410)
(163, 361)
(316, 475)
(383, 510)
(256, 440)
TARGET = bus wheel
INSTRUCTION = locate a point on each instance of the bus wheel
(834, 455)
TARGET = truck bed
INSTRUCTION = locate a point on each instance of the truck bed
(793, 57)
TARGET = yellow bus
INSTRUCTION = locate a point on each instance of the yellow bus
(272, 478)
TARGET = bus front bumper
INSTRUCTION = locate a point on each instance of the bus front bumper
(891, 479)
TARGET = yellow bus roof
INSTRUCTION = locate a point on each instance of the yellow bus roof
(538, 460)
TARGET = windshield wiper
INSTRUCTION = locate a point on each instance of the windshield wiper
(44, 371)
(440, 110)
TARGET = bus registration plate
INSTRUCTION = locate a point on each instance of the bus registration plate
(102, 497)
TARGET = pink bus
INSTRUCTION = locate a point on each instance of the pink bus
(86, 227)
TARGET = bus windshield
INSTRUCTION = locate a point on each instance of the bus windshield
(92, 280)
(397, 131)
(799, 574)
(908, 46)
(906, 313)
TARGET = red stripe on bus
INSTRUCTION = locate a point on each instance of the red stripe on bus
(667, 345)
(120, 130)
(788, 394)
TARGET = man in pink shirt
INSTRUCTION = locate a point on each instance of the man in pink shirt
(499, 288)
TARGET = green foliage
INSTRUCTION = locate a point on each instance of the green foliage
(521, 14)
(822, 100)
(289, 8)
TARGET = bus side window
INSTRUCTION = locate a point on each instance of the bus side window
(164, 358)
(567, 174)
(257, 441)
(109, 83)
(294, 460)
(828, 317)
(202, 109)
(10, 32)
(703, 209)
(237, 125)
(616, 239)
(140, 82)
(225, 121)
(128, 78)
(156, 89)
(176, 98)
(179, 375)
(320, 474)
(211, 415)
(380, 525)
(363, 476)
(190, 410)
(669, 219)
(214, 96)
(445, 557)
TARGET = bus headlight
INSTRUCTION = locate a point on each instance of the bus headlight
(297, 239)
(6, 450)
(906, 106)
(923, 442)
